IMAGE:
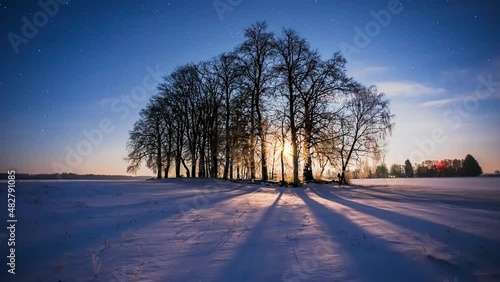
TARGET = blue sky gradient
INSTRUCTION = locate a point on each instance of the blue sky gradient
(80, 67)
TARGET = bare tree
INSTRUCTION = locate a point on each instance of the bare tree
(145, 142)
(228, 72)
(294, 64)
(186, 84)
(318, 90)
(363, 126)
(279, 133)
(173, 106)
(256, 56)
(213, 93)
(168, 140)
(240, 135)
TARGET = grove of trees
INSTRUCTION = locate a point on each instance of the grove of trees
(429, 168)
(449, 168)
(271, 104)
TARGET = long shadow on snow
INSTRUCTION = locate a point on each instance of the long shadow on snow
(409, 222)
(415, 224)
(370, 264)
(454, 200)
(252, 261)
(82, 238)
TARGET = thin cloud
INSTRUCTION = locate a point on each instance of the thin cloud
(439, 103)
(407, 88)
(471, 97)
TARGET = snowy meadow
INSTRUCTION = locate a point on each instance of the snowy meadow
(214, 230)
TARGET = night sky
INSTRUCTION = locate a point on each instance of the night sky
(438, 61)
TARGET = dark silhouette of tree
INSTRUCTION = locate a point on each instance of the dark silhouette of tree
(427, 169)
(295, 63)
(256, 57)
(240, 135)
(146, 139)
(212, 113)
(471, 167)
(187, 84)
(381, 171)
(322, 84)
(228, 72)
(397, 170)
(408, 169)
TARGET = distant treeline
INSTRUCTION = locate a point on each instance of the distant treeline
(429, 168)
(57, 176)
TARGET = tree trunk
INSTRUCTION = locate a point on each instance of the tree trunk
(169, 153)
(295, 158)
(263, 158)
(201, 164)
(231, 169)
(178, 154)
(252, 138)
(185, 167)
(293, 129)
(342, 176)
(307, 174)
(228, 138)
(193, 162)
(177, 166)
(262, 138)
(158, 157)
(282, 167)
(214, 140)
(344, 165)
(214, 171)
(274, 161)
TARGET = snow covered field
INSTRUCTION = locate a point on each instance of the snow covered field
(213, 230)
